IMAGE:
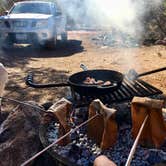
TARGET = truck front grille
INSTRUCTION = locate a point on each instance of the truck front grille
(19, 24)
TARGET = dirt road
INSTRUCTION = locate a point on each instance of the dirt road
(56, 65)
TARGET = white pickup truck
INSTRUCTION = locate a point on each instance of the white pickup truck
(34, 22)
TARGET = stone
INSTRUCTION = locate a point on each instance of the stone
(19, 138)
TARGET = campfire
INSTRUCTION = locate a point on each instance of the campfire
(100, 120)
(109, 124)
(106, 134)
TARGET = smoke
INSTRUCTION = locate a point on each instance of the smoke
(112, 13)
(119, 17)
(124, 15)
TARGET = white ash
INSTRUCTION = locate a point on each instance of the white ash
(115, 39)
(83, 151)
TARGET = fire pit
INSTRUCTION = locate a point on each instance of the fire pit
(83, 151)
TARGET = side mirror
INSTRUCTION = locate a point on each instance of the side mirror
(6, 12)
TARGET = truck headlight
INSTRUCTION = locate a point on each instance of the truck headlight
(40, 24)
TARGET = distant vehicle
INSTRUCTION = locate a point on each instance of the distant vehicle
(34, 22)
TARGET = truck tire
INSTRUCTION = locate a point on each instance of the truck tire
(7, 43)
(50, 44)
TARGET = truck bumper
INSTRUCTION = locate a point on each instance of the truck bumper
(20, 36)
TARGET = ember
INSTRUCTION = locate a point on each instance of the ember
(83, 151)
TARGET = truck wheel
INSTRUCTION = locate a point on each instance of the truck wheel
(7, 44)
(64, 37)
(50, 44)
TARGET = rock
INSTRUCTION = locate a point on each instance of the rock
(161, 42)
(19, 138)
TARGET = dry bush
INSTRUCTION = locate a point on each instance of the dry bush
(155, 23)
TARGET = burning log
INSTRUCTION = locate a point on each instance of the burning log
(154, 133)
(60, 111)
(103, 129)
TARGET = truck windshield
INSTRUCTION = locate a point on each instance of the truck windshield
(42, 8)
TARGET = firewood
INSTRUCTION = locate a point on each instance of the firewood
(154, 133)
(110, 132)
(96, 126)
(103, 129)
(61, 112)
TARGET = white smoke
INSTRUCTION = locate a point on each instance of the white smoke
(121, 17)
(124, 15)
(112, 13)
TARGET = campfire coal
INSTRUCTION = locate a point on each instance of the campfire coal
(83, 151)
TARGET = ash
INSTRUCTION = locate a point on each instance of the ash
(83, 151)
(115, 39)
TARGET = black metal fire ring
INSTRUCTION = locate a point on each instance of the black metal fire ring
(60, 161)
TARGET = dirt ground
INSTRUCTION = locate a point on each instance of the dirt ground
(56, 65)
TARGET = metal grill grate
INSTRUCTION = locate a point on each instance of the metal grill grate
(125, 92)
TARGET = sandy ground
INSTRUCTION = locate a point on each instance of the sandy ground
(56, 65)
